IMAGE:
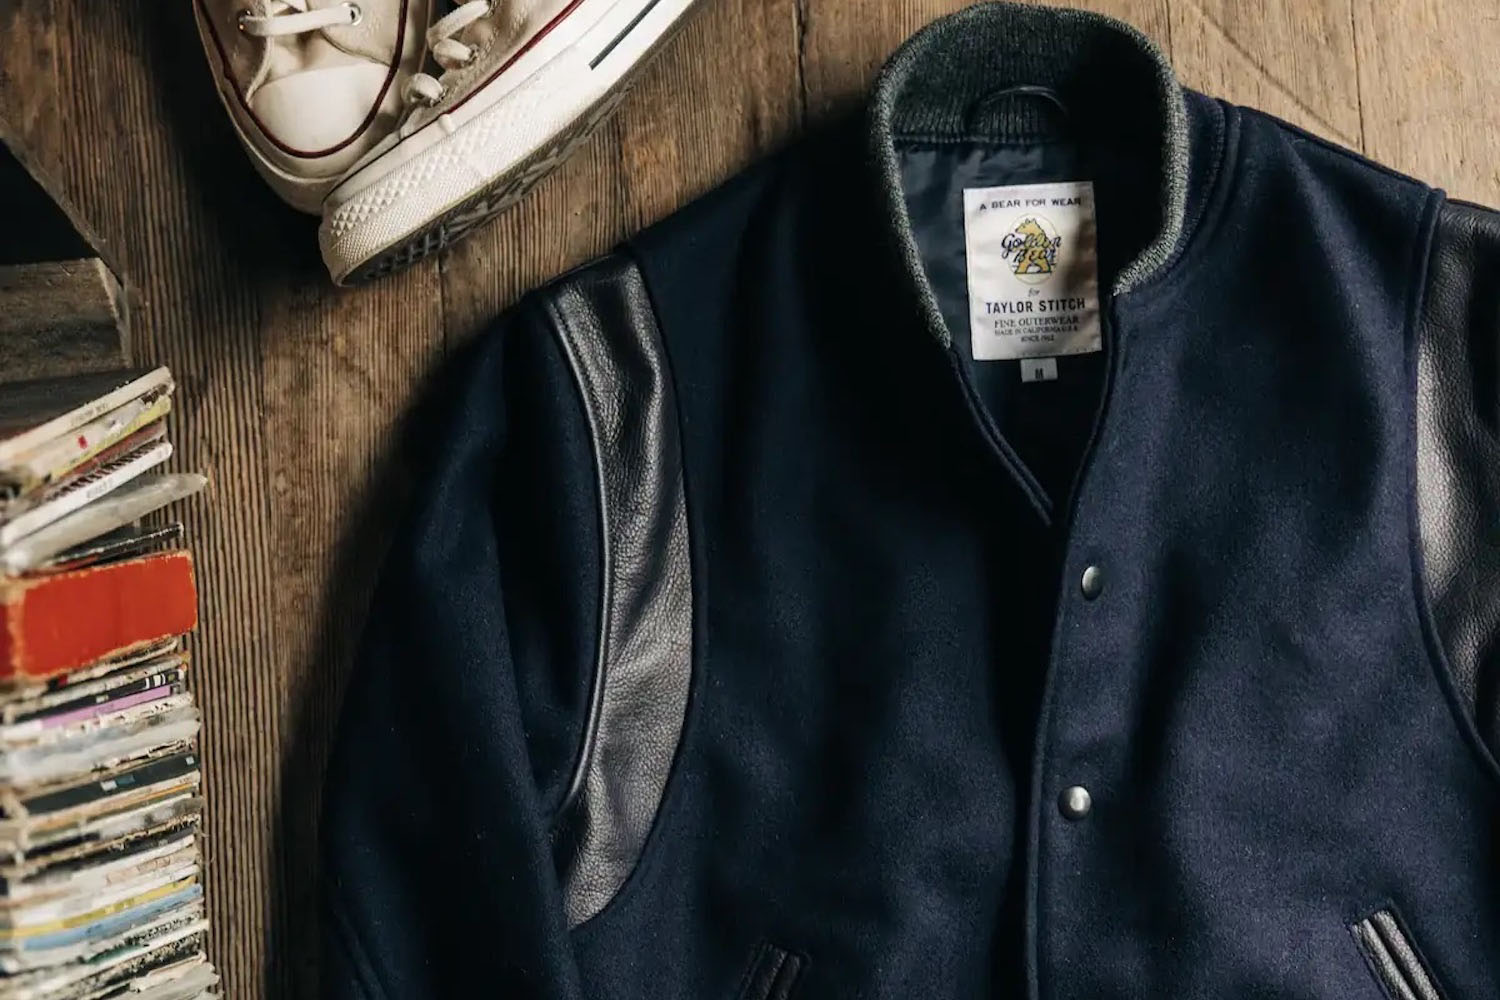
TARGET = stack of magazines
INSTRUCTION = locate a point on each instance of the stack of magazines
(101, 890)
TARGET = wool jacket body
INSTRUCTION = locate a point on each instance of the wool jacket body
(749, 638)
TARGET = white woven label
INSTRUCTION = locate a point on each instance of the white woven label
(1033, 270)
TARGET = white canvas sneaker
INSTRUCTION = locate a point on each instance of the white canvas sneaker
(522, 83)
(312, 85)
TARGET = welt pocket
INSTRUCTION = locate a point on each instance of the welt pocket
(1393, 957)
(772, 974)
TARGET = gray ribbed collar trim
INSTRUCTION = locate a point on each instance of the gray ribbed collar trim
(1109, 73)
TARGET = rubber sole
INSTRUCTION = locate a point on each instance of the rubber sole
(498, 193)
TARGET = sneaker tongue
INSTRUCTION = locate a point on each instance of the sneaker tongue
(306, 53)
(374, 37)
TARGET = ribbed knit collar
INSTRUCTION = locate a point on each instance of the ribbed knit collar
(1112, 79)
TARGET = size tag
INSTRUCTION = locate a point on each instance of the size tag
(1038, 369)
(1033, 270)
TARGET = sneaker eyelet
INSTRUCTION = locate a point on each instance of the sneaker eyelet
(243, 16)
(356, 13)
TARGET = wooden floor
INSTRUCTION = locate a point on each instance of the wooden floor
(292, 392)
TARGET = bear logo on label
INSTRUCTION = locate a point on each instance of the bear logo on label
(1032, 247)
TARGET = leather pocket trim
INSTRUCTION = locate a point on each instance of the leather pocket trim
(1393, 958)
(772, 974)
(643, 670)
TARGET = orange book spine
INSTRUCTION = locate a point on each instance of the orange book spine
(53, 624)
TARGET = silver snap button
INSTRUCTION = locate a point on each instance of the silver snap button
(1093, 582)
(1075, 803)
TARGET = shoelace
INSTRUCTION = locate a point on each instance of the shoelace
(291, 17)
(447, 51)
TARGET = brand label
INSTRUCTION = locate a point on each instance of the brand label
(1033, 270)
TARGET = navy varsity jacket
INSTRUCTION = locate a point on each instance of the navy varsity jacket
(1040, 538)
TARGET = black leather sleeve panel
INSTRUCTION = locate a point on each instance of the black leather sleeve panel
(1458, 451)
(639, 699)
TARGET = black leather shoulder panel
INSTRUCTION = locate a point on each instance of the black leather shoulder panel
(1458, 451)
(639, 695)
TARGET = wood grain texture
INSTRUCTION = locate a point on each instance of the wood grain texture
(289, 393)
(293, 393)
(28, 76)
(689, 123)
(1292, 58)
(1430, 86)
(61, 318)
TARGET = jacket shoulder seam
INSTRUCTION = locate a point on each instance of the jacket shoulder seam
(549, 292)
(1354, 156)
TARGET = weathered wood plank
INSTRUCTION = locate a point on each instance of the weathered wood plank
(1292, 58)
(61, 318)
(28, 76)
(339, 371)
(719, 94)
(1431, 90)
(726, 95)
(290, 390)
